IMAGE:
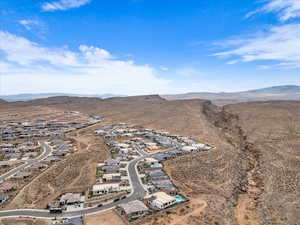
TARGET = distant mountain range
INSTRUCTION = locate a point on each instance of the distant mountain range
(28, 97)
(286, 92)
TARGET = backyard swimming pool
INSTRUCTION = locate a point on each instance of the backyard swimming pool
(179, 198)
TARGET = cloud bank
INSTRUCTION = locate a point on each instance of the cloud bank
(27, 67)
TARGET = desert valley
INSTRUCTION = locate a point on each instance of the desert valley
(116, 160)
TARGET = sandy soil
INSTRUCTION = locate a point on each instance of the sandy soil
(75, 173)
(244, 211)
(13, 221)
(197, 207)
(106, 218)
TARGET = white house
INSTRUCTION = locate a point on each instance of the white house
(100, 189)
(161, 200)
(189, 149)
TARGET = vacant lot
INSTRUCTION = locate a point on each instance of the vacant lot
(107, 218)
(14, 221)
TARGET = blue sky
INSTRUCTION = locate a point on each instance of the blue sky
(147, 46)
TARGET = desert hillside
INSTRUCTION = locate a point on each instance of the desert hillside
(274, 129)
(251, 177)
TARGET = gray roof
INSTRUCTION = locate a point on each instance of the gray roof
(111, 168)
(164, 184)
(175, 152)
(110, 162)
(155, 173)
(133, 207)
(21, 174)
(161, 156)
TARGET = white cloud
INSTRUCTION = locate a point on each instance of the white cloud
(28, 67)
(64, 4)
(286, 9)
(29, 24)
(164, 68)
(280, 44)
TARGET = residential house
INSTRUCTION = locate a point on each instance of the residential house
(21, 175)
(7, 186)
(157, 174)
(3, 198)
(59, 153)
(111, 169)
(39, 166)
(189, 149)
(30, 154)
(161, 200)
(54, 207)
(150, 161)
(112, 162)
(120, 156)
(163, 141)
(71, 199)
(112, 177)
(133, 209)
(175, 152)
(51, 159)
(164, 185)
(161, 156)
(100, 189)
(156, 165)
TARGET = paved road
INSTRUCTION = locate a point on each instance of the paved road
(46, 152)
(138, 192)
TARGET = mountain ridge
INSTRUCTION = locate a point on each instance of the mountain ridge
(33, 96)
(285, 92)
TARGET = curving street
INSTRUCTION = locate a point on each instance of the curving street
(138, 192)
(46, 152)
